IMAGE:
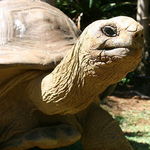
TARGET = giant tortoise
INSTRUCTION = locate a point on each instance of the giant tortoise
(51, 76)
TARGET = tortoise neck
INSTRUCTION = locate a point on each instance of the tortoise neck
(67, 90)
(70, 88)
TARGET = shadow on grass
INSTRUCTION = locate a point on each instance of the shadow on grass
(137, 145)
(135, 134)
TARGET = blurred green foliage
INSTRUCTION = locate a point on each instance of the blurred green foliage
(97, 9)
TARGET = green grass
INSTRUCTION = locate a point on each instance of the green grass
(136, 126)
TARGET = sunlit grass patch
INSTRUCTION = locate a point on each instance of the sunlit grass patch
(136, 126)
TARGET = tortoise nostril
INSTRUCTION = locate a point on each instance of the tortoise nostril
(142, 35)
(138, 35)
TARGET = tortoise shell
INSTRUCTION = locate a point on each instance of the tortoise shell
(34, 36)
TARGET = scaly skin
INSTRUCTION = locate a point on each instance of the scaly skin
(101, 132)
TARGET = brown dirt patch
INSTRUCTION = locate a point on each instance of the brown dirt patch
(119, 104)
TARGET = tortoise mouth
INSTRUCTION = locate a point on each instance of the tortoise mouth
(117, 58)
(109, 48)
(112, 54)
(113, 48)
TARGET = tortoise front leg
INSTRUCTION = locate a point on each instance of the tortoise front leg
(49, 137)
(102, 132)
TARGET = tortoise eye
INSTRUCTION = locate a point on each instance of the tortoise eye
(109, 31)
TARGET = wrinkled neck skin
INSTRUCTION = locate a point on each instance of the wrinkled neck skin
(74, 83)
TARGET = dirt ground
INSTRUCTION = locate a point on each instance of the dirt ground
(133, 114)
(124, 102)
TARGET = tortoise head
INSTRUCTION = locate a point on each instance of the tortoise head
(113, 45)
